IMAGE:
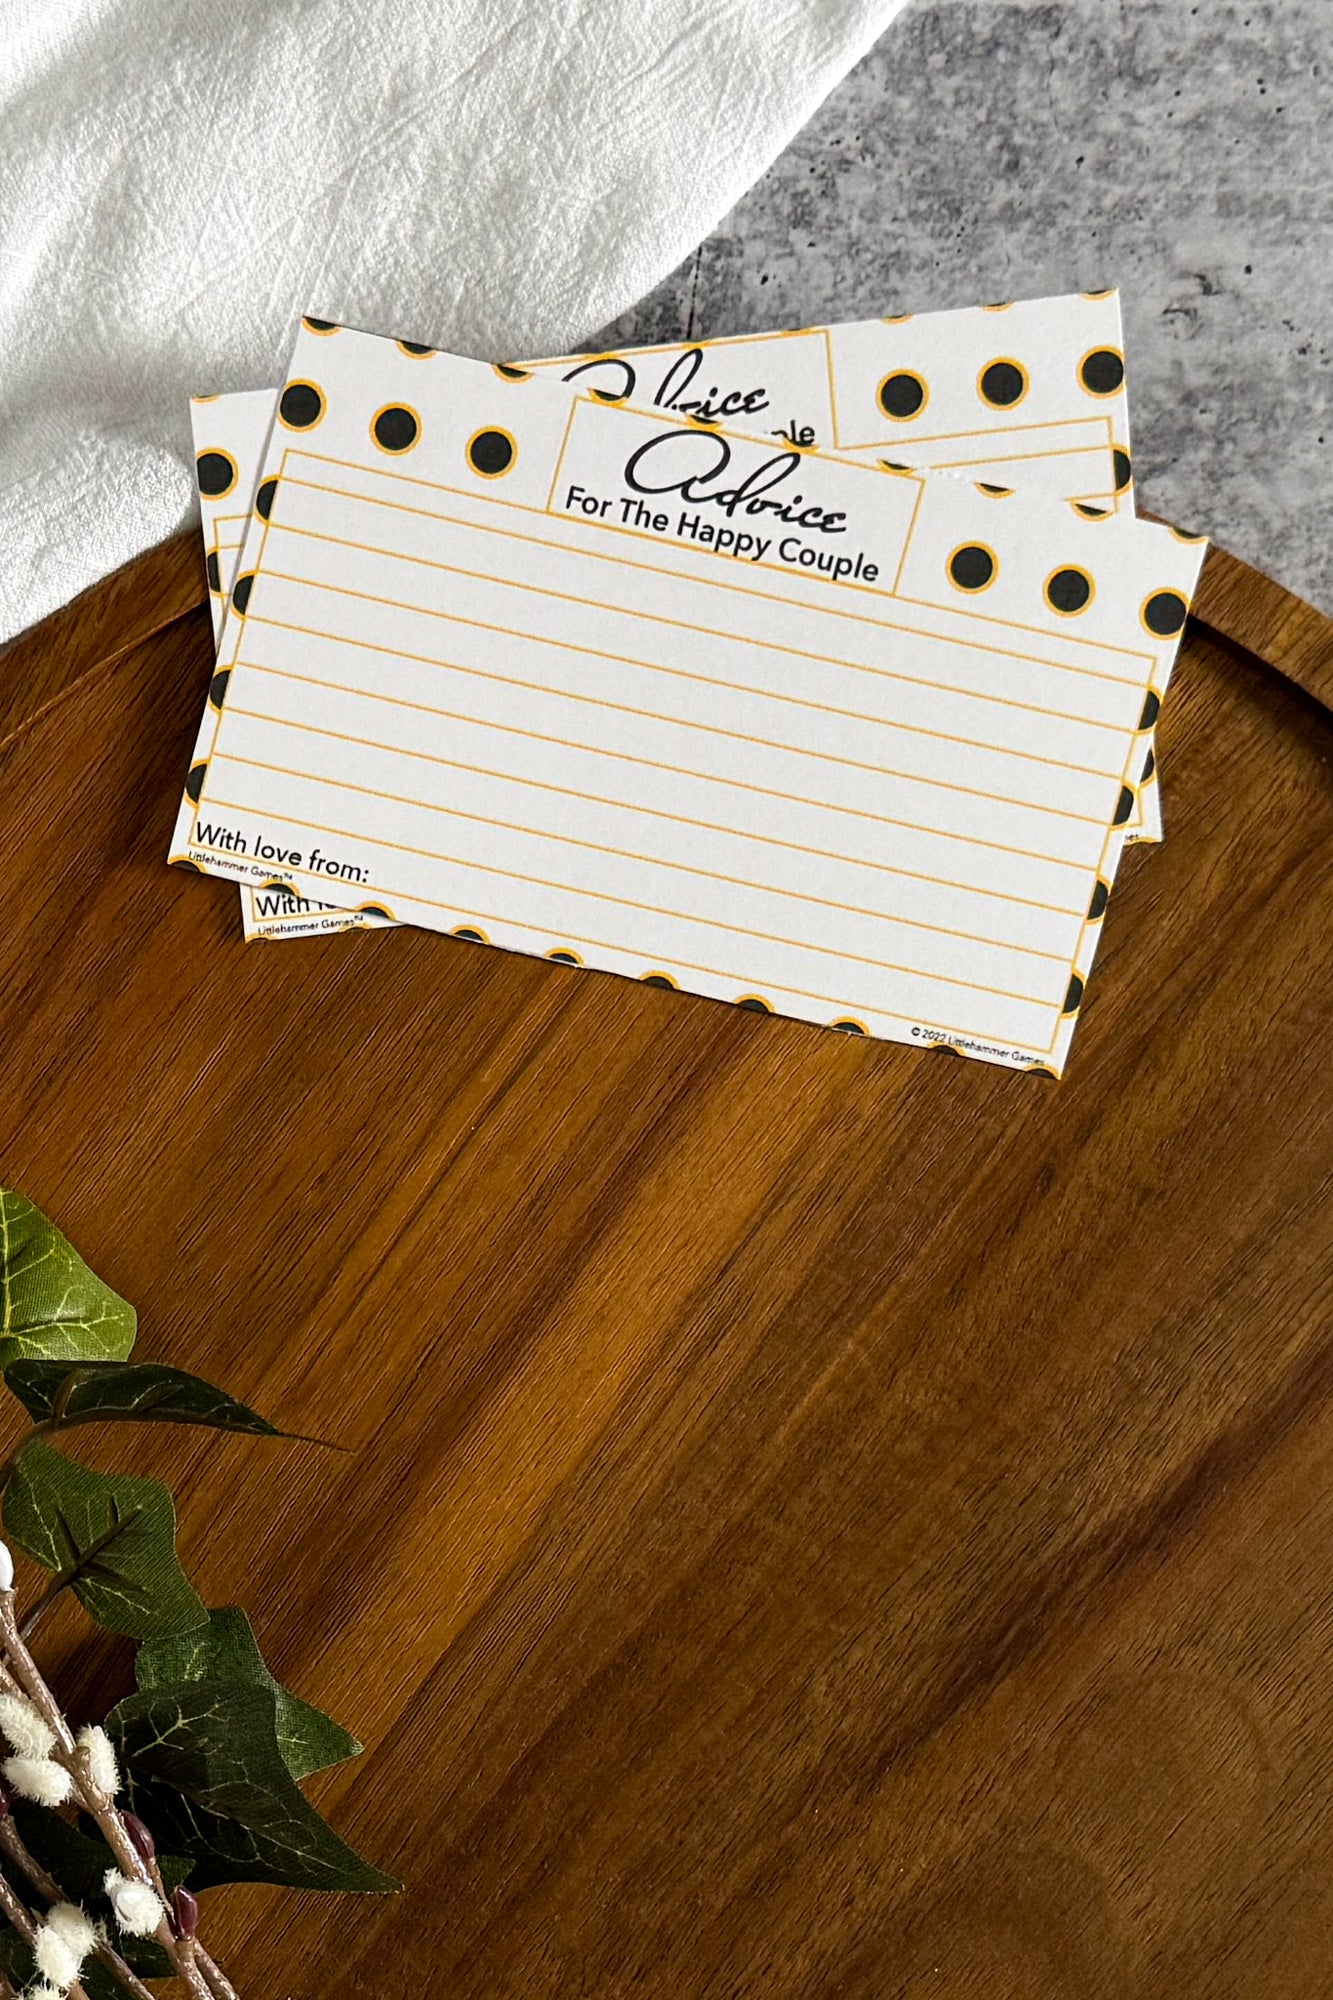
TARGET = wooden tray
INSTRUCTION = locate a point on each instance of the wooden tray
(820, 1519)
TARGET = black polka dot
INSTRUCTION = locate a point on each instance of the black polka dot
(180, 861)
(1090, 513)
(301, 406)
(1124, 471)
(1068, 591)
(946, 1049)
(1002, 383)
(1124, 806)
(396, 429)
(212, 571)
(376, 910)
(473, 937)
(1102, 371)
(1149, 767)
(1164, 613)
(194, 784)
(1101, 896)
(902, 395)
(264, 499)
(754, 1005)
(510, 373)
(562, 957)
(971, 567)
(1073, 996)
(995, 492)
(217, 687)
(660, 981)
(491, 452)
(1152, 708)
(848, 1027)
(320, 325)
(895, 465)
(415, 348)
(612, 396)
(240, 592)
(216, 473)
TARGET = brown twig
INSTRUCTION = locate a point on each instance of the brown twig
(46, 1885)
(17, 1913)
(95, 1802)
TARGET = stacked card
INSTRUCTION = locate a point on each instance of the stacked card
(816, 672)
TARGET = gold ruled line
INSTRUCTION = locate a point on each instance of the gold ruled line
(600, 896)
(595, 846)
(960, 611)
(1131, 688)
(648, 763)
(999, 433)
(1119, 732)
(683, 819)
(709, 729)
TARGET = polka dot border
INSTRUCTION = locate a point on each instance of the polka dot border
(1069, 590)
(972, 560)
(216, 473)
(1003, 383)
(483, 450)
(902, 395)
(301, 406)
(395, 429)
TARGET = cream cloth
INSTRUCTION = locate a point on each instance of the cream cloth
(179, 179)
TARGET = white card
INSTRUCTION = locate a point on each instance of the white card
(1068, 347)
(586, 681)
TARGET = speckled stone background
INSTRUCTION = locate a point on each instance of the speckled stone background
(994, 149)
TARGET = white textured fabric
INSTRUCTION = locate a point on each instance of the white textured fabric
(180, 178)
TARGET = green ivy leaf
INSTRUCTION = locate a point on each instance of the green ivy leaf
(51, 1304)
(226, 1650)
(110, 1537)
(136, 1392)
(205, 1771)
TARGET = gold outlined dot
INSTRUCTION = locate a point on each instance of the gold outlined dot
(1003, 402)
(967, 548)
(395, 450)
(1175, 597)
(1069, 610)
(215, 492)
(492, 431)
(315, 421)
(1103, 347)
(902, 375)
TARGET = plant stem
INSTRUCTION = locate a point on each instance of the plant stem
(46, 1885)
(19, 1916)
(95, 1802)
(43, 1429)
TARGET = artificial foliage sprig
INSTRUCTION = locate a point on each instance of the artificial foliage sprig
(108, 1833)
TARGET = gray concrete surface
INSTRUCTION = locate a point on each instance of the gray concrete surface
(992, 149)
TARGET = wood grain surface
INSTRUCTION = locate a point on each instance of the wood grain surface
(817, 1519)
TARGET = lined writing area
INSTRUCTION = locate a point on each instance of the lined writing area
(495, 719)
